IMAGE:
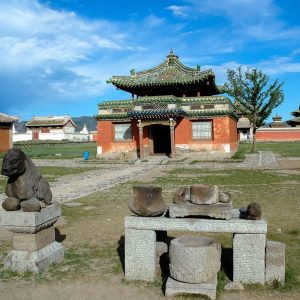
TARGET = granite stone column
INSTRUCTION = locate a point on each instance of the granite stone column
(172, 137)
(141, 138)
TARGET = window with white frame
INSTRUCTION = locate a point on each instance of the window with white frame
(202, 130)
(122, 132)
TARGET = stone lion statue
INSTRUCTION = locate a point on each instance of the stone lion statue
(26, 188)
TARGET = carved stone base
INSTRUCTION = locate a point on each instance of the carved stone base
(34, 261)
(208, 288)
(30, 222)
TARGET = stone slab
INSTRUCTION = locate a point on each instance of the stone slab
(140, 255)
(275, 262)
(218, 211)
(34, 261)
(30, 222)
(249, 258)
(209, 288)
(33, 241)
(195, 225)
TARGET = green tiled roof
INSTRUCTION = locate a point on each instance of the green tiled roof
(113, 117)
(169, 72)
(158, 99)
(116, 104)
(212, 113)
(156, 114)
(164, 99)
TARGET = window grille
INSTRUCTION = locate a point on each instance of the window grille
(202, 106)
(121, 110)
(156, 106)
(202, 130)
(122, 132)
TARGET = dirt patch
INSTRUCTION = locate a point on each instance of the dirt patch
(289, 163)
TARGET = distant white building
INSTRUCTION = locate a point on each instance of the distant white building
(55, 128)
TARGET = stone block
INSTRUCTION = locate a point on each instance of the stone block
(209, 288)
(195, 225)
(249, 258)
(194, 259)
(34, 261)
(140, 255)
(218, 210)
(182, 195)
(31, 222)
(33, 241)
(275, 262)
(204, 194)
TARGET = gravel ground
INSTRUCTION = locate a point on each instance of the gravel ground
(70, 187)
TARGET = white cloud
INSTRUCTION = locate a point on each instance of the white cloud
(179, 11)
(257, 19)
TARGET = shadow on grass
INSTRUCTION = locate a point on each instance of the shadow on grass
(58, 236)
(121, 252)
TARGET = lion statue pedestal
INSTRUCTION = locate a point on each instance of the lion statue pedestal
(30, 215)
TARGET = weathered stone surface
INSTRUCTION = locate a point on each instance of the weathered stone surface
(147, 201)
(204, 194)
(182, 195)
(30, 222)
(194, 259)
(253, 211)
(11, 204)
(24, 179)
(196, 225)
(275, 262)
(161, 248)
(217, 211)
(31, 205)
(249, 258)
(35, 241)
(34, 261)
(225, 197)
(140, 255)
(208, 288)
(234, 285)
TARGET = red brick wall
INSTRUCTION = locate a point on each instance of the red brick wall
(224, 132)
(224, 136)
(106, 138)
(287, 134)
(5, 138)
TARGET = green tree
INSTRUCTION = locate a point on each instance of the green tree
(253, 95)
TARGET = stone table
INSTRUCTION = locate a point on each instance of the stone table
(249, 244)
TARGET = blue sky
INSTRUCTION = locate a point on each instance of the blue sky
(55, 56)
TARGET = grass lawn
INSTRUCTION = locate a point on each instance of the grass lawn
(59, 150)
(94, 231)
(50, 173)
(285, 149)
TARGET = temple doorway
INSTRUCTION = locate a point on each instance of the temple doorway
(161, 141)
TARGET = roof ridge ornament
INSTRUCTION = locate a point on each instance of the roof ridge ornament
(171, 57)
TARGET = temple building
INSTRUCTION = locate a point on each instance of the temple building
(295, 122)
(172, 108)
(6, 127)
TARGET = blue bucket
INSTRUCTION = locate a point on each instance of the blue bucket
(86, 155)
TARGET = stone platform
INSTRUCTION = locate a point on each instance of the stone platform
(34, 261)
(209, 288)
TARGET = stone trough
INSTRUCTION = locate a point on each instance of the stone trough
(194, 264)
